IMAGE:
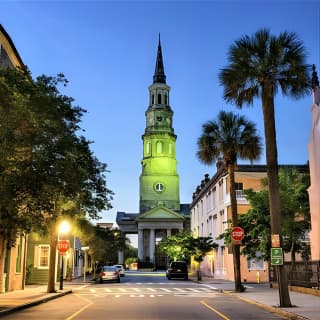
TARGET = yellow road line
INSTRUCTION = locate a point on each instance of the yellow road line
(82, 309)
(215, 311)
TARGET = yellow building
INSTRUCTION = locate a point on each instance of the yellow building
(211, 209)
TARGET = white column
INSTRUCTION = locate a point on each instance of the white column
(120, 257)
(140, 244)
(168, 232)
(152, 244)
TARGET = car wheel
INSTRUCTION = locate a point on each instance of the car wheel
(118, 280)
(169, 278)
(100, 281)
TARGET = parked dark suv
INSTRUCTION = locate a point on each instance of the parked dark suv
(177, 269)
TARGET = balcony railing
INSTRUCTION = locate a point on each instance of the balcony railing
(239, 196)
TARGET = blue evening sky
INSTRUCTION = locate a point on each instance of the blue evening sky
(107, 50)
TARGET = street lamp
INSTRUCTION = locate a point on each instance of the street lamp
(63, 246)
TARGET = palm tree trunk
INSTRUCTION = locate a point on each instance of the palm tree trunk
(234, 216)
(274, 195)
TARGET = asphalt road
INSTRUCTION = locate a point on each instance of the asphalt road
(145, 297)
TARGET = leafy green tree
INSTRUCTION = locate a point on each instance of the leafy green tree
(259, 66)
(178, 246)
(295, 211)
(183, 245)
(103, 243)
(45, 163)
(295, 217)
(130, 254)
(228, 138)
(200, 247)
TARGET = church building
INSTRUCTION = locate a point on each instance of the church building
(160, 212)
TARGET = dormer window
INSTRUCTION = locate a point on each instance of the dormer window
(159, 98)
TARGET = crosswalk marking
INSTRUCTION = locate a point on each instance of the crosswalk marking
(151, 291)
(194, 290)
(172, 290)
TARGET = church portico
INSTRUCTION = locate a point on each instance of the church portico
(150, 236)
(153, 226)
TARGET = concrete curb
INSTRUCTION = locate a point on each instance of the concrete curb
(34, 303)
(273, 309)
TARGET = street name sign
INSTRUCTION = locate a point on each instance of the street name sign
(276, 257)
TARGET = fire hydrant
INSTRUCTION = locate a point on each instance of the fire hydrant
(258, 276)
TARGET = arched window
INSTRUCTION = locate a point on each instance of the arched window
(165, 99)
(148, 148)
(159, 147)
(159, 98)
(152, 98)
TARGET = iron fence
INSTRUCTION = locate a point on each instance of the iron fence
(301, 273)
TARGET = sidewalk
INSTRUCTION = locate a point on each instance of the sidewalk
(31, 296)
(307, 306)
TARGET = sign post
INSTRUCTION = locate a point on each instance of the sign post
(85, 249)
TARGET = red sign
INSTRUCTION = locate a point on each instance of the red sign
(63, 246)
(237, 234)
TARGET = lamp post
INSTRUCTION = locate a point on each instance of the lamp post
(63, 246)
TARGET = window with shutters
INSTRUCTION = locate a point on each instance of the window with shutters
(43, 256)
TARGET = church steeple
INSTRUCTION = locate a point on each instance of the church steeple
(159, 180)
(159, 76)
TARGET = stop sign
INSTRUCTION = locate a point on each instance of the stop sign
(63, 246)
(237, 234)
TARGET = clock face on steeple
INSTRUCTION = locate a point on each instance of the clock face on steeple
(159, 187)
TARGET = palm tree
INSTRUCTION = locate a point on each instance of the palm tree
(259, 66)
(229, 138)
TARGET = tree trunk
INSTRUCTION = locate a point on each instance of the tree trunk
(2, 261)
(273, 184)
(199, 275)
(234, 215)
(52, 260)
